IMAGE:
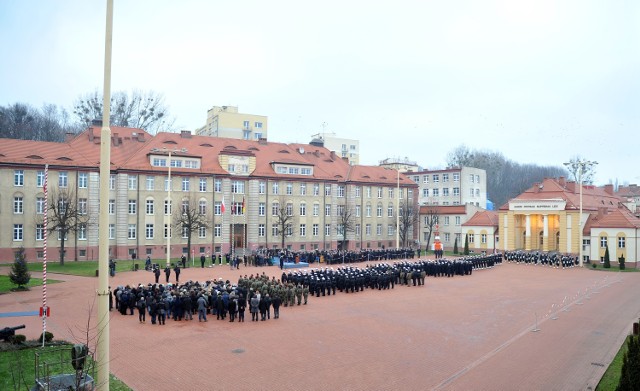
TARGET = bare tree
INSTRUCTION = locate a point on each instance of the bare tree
(576, 167)
(346, 222)
(24, 122)
(66, 215)
(430, 220)
(191, 217)
(284, 218)
(143, 110)
(409, 217)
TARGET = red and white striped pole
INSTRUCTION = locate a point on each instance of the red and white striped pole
(44, 254)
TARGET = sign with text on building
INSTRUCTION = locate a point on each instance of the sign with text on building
(537, 205)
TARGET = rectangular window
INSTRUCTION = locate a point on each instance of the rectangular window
(217, 208)
(379, 211)
(303, 230)
(456, 191)
(603, 241)
(186, 184)
(112, 182)
(217, 230)
(425, 192)
(151, 183)
(316, 230)
(262, 187)
(391, 192)
(341, 191)
(621, 242)
(167, 231)
(368, 208)
(262, 209)
(131, 231)
(202, 231)
(40, 179)
(303, 209)
(274, 230)
(82, 180)
(436, 178)
(217, 185)
(390, 230)
(289, 209)
(112, 231)
(237, 187)
(303, 189)
(150, 207)
(63, 179)
(457, 220)
(368, 191)
(357, 232)
(17, 205)
(289, 188)
(327, 210)
(202, 185)
(202, 207)
(379, 192)
(316, 189)
(390, 211)
(82, 232)
(82, 206)
(436, 192)
(357, 210)
(132, 207)
(456, 177)
(425, 179)
(327, 190)
(446, 220)
(483, 238)
(471, 178)
(261, 230)
(470, 192)
(445, 178)
(132, 182)
(367, 229)
(167, 207)
(327, 229)
(477, 192)
(17, 232)
(356, 191)
(316, 209)
(39, 231)
(275, 209)
(379, 229)
(274, 188)
(447, 237)
(471, 238)
(148, 231)
(445, 192)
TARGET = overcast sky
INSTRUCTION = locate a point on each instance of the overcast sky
(540, 81)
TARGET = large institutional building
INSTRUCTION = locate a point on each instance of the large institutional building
(227, 122)
(239, 185)
(546, 217)
(452, 186)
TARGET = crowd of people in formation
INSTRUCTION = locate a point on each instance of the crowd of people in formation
(261, 295)
(550, 259)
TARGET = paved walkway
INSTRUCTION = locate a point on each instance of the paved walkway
(462, 333)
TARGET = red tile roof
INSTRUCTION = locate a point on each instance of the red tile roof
(615, 218)
(593, 197)
(486, 218)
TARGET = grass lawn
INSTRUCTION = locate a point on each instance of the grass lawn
(82, 268)
(613, 268)
(18, 366)
(6, 285)
(611, 377)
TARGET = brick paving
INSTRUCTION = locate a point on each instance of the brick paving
(461, 333)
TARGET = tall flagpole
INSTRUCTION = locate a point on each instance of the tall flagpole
(398, 212)
(102, 356)
(233, 229)
(44, 261)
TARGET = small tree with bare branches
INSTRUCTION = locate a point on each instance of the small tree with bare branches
(430, 221)
(346, 222)
(283, 218)
(409, 216)
(191, 217)
(65, 215)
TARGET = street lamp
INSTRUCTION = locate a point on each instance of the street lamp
(167, 216)
(579, 166)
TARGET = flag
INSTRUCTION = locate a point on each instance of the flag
(222, 207)
(243, 208)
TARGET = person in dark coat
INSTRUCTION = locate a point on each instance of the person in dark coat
(253, 308)
(156, 273)
(242, 305)
(262, 306)
(167, 272)
(176, 270)
(276, 306)
(203, 259)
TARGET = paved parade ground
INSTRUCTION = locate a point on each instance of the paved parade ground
(462, 333)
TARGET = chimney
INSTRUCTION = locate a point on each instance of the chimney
(316, 153)
(68, 136)
(333, 155)
(115, 139)
(571, 186)
(562, 181)
(141, 137)
(185, 133)
(262, 141)
(608, 189)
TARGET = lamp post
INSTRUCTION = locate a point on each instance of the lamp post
(398, 211)
(167, 216)
(579, 166)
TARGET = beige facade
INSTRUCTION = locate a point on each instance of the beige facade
(452, 186)
(450, 224)
(343, 147)
(314, 183)
(227, 122)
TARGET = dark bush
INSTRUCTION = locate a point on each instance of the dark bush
(17, 339)
(48, 337)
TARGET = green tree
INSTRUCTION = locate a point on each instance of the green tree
(455, 246)
(466, 245)
(621, 261)
(607, 262)
(19, 274)
(630, 372)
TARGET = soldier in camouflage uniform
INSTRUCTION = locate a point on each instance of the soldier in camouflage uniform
(305, 293)
(299, 293)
